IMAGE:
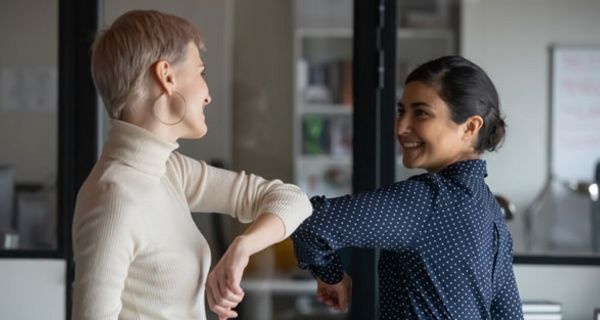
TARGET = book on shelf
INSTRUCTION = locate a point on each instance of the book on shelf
(315, 135)
(340, 133)
(326, 82)
(317, 90)
(345, 95)
(541, 306)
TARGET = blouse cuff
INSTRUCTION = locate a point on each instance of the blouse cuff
(318, 258)
(331, 273)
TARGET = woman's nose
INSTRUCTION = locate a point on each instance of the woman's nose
(402, 125)
(207, 100)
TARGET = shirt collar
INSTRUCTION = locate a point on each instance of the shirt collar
(138, 148)
(466, 168)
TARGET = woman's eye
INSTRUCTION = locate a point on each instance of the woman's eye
(400, 112)
(420, 113)
(203, 73)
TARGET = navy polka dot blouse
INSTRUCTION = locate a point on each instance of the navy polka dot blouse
(446, 250)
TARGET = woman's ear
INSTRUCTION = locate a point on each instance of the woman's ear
(163, 74)
(472, 127)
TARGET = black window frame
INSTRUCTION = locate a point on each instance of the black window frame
(77, 127)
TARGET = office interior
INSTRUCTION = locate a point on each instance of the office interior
(281, 76)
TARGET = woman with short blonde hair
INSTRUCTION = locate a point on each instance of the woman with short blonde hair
(137, 251)
(123, 54)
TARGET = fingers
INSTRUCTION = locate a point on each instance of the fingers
(327, 298)
(223, 284)
(228, 295)
(225, 297)
(220, 302)
(336, 296)
(233, 281)
(222, 312)
(345, 292)
(342, 299)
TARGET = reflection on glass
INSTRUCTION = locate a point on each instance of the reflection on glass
(425, 30)
(323, 97)
(292, 108)
(28, 125)
(546, 165)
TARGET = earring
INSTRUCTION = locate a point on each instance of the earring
(174, 104)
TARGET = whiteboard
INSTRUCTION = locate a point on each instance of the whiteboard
(575, 113)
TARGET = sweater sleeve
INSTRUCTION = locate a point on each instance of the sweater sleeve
(104, 244)
(388, 218)
(243, 196)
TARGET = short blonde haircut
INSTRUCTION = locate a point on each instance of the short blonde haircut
(123, 54)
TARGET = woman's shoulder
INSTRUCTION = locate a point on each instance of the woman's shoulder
(181, 163)
(101, 202)
(420, 181)
(109, 182)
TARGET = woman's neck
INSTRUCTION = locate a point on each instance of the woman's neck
(149, 123)
(472, 155)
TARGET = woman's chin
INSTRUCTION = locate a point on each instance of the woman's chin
(195, 134)
(201, 134)
(408, 163)
(200, 131)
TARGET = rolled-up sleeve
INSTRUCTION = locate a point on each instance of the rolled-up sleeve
(388, 218)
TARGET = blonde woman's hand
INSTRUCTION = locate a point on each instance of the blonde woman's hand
(336, 296)
(223, 290)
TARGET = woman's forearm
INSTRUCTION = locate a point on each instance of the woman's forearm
(265, 231)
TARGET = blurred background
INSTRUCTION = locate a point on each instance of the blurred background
(283, 106)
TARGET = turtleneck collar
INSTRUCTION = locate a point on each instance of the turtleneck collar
(138, 148)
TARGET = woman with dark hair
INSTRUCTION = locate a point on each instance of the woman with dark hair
(446, 250)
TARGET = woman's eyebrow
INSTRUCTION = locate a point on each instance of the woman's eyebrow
(415, 105)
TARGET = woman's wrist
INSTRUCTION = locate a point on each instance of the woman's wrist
(266, 230)
(242, 245)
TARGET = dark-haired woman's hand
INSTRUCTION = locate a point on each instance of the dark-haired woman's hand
(336, 296)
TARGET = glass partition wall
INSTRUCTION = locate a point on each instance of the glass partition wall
(288, 100)
(48, 146)
(283, 80)
(545, 69)
(29, 126)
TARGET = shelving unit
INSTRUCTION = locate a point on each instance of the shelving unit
(322, 150)
(322, 125)
(280, 286)
(323, 110)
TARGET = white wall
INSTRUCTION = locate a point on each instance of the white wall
(28, 138)
(263, 70)
(510, 39)
(32, 289)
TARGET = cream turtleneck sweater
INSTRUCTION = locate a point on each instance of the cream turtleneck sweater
(138, 253)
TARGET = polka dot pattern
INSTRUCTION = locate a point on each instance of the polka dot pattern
(446, 250)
